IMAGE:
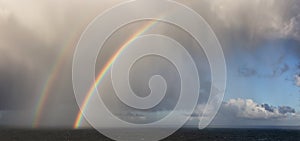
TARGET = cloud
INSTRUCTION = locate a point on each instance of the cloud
(242, 112)
(274, 70)
(248, 27)
(297, 80)
(259, 18)
(286, 109)
(248, 109)
(247, 72)
(133, 116)
(32, 38)
(292, 28)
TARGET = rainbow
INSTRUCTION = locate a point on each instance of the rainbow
(106, 68)
(57, 66)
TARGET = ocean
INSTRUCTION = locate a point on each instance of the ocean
(186, 134)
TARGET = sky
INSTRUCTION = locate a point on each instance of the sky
(260, 40)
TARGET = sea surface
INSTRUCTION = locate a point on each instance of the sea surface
(211, 134)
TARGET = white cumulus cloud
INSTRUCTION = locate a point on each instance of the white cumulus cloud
(247, 108)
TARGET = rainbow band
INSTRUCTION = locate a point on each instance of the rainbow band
(46, 89)
(105, 69)
(57, 66)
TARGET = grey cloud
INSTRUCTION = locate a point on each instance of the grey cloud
(292, 28)
(261, 18)
(282, 70)
(297, 80)
(247, 72)
(21, 62)
(286, 109)
(281, 109)
(268, 107)
(276, 70)
(136, 117)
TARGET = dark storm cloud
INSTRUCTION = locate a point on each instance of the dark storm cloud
(21, 63)
(31, 40)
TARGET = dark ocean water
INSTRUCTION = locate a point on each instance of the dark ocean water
(180, 135)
